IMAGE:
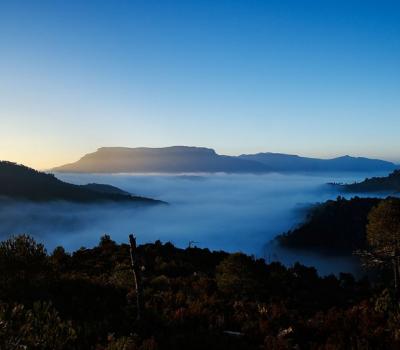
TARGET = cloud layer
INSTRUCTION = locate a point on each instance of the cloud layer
(227, 212)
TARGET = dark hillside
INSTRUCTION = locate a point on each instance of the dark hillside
(192, 299)
(21, 182)
(334, 227)
(387, 184)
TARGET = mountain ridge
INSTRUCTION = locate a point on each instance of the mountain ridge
(188, 159)
(383, 184)
(290, 162)
(174, 159)
(21, 182)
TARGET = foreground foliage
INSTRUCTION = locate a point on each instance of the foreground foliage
(194, 299)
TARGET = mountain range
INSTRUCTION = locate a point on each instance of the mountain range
(287, 162)
(184, 159)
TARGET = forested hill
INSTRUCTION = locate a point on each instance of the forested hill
(334, 227)
(390, 183)
(21, 182)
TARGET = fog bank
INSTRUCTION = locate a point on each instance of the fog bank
(220, 212)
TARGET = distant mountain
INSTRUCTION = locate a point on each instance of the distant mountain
(177, 159)
(21, 182)
(182, 159)
(287, 162)
(387, 184)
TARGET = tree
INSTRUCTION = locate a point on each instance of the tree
(60, 258)
(383, 236)
(38, 328)
(23, 266)
(236, 276)
(22, 252)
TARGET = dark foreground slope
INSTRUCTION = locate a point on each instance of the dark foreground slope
(20, 182)
(192, 299)
(386, 184)
(178, 159)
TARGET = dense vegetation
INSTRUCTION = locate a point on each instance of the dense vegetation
(334, 227)
(20, 182)
(193, 299)
(388, 184)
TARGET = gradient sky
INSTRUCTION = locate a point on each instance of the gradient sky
(317, 78)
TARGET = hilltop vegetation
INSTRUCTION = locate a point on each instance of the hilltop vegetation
(334, 227)
(388, 184)
(21, 182)
(193, 299)
(340, 227)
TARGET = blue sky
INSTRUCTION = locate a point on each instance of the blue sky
(317, 78)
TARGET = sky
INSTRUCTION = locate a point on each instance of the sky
(315, 78)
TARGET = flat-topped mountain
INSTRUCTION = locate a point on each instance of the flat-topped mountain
(21, 182)
(183, 159)
(177, 159)
(288, 162)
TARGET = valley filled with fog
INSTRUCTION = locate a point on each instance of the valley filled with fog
(219, 212)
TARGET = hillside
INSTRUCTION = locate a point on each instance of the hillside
(334, 227)
(287, 162)
(178, 159)
(388, 184)
(191, 299)
(20, 182)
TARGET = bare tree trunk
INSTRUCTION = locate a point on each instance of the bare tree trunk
(136, 275)
(395, 274)
(397, 262)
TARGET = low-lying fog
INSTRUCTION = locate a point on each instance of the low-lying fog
(227, 212)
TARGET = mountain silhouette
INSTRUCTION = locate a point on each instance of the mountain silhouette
(286, 162)
(21, 182)
(183, 159)
(177, 159)
(386, 184)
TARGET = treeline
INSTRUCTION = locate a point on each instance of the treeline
(336, 227)
(388, 184)
(192, 299)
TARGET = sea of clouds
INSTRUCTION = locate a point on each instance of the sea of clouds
(220, 212)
